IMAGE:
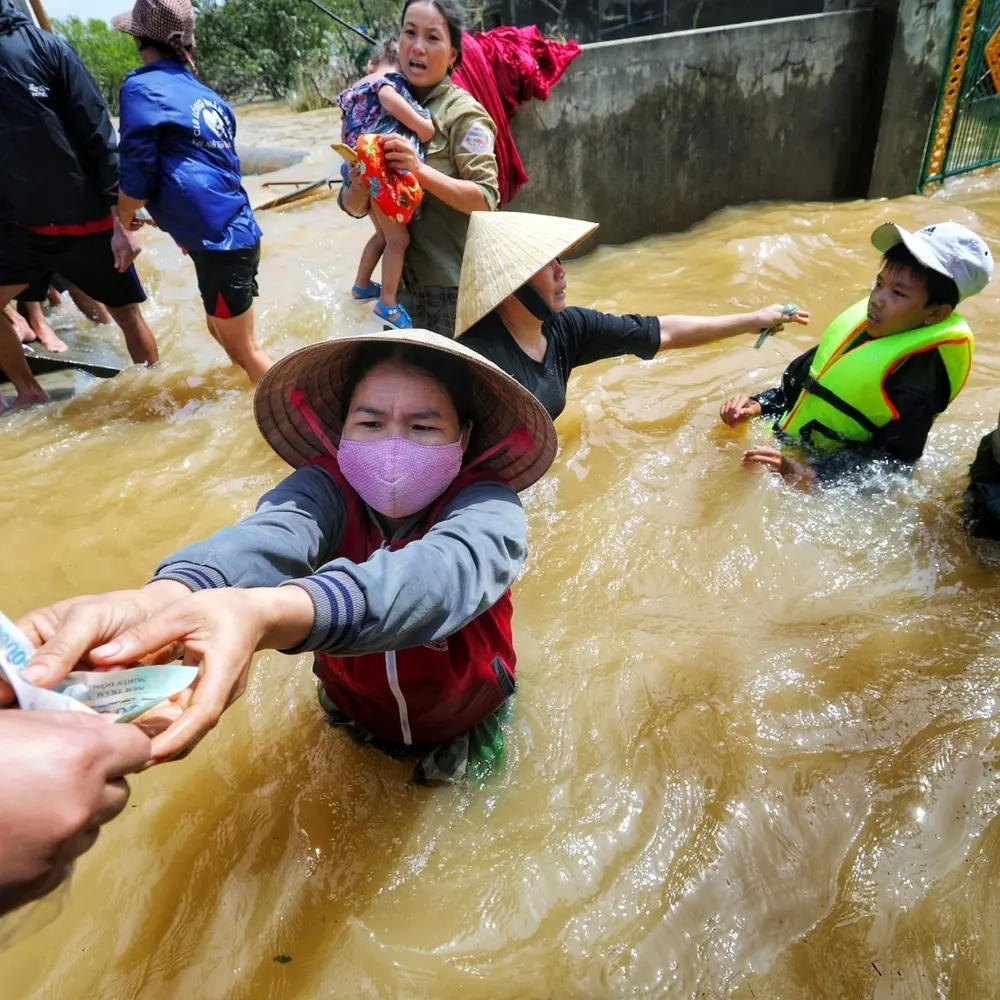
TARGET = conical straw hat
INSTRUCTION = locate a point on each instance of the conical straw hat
(502, 251)
(503, 409)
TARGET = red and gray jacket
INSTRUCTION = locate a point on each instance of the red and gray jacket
(428, 693)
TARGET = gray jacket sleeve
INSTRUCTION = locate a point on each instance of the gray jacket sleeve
(293, 528)
(423, 592)
(427, 590)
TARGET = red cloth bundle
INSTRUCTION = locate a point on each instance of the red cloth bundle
(502, 69)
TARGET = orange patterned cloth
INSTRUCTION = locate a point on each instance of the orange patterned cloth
(396, 192)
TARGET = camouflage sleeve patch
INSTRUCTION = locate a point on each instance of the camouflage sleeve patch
(478, 139)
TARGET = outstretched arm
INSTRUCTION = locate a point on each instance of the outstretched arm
(690, 331)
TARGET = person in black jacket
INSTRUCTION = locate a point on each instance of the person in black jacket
(58, 192)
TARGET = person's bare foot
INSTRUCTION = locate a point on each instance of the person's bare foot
(24, 332)
(29, 397)
(45, 334)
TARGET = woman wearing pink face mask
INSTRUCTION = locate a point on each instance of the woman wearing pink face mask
(389, 553)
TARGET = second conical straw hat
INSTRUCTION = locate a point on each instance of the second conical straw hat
(502, 251)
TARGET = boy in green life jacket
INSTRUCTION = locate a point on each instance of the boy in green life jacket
(887, 366)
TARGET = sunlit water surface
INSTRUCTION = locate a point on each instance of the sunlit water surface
(756, 729)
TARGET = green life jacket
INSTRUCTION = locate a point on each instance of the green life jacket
(844, 398)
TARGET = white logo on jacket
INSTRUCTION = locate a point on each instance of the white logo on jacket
(37, 90)
(210, 125)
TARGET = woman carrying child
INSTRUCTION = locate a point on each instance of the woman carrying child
(178, 158)
(459, 172)
(381, 104)
(389, 552)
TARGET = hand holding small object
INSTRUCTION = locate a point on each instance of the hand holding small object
(773, 319)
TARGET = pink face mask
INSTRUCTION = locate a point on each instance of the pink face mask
(398, 477)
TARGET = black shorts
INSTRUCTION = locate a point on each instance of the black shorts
(28, 258)
(227, 279)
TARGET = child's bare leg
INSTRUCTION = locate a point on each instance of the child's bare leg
(397, 239)
(371, 254)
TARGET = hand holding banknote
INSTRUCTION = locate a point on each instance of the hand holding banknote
(220, 631)
(64, 633)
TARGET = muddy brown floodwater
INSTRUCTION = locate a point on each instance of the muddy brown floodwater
(756, 733)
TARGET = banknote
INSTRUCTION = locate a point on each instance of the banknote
(123, 694)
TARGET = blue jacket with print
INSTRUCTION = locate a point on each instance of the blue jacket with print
(177, 153)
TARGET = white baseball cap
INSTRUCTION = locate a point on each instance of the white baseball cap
(946, 247)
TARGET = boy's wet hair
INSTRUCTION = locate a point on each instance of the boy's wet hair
(451, 373)
(941, 290)
(385, 53)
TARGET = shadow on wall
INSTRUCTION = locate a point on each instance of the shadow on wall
(652, 135)
(610, 20)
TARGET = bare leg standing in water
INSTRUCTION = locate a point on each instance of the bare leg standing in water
(239, 341)
(24, 332)
(12, 362)
(138, 337)
(96, 312)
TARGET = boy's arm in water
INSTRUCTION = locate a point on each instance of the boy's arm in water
(771, 402)
(405, 114)
(918, 390)
(428, 589)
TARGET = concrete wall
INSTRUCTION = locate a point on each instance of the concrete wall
(651, 135)
(913, 43)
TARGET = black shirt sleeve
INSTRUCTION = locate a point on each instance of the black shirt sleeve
(774, 402)
(588, 336)
(85, 118)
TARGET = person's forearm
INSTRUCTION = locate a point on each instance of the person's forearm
(289, 615)
(161, 593)
(773, 402)
(463, 196)
(127, 207)
(690, 331)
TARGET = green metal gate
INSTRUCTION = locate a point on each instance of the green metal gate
(967, 131)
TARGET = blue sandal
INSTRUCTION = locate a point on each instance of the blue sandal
(373, 291)
(394, 316)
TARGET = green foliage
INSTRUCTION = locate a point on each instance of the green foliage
(259, 46)
(108, 54)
